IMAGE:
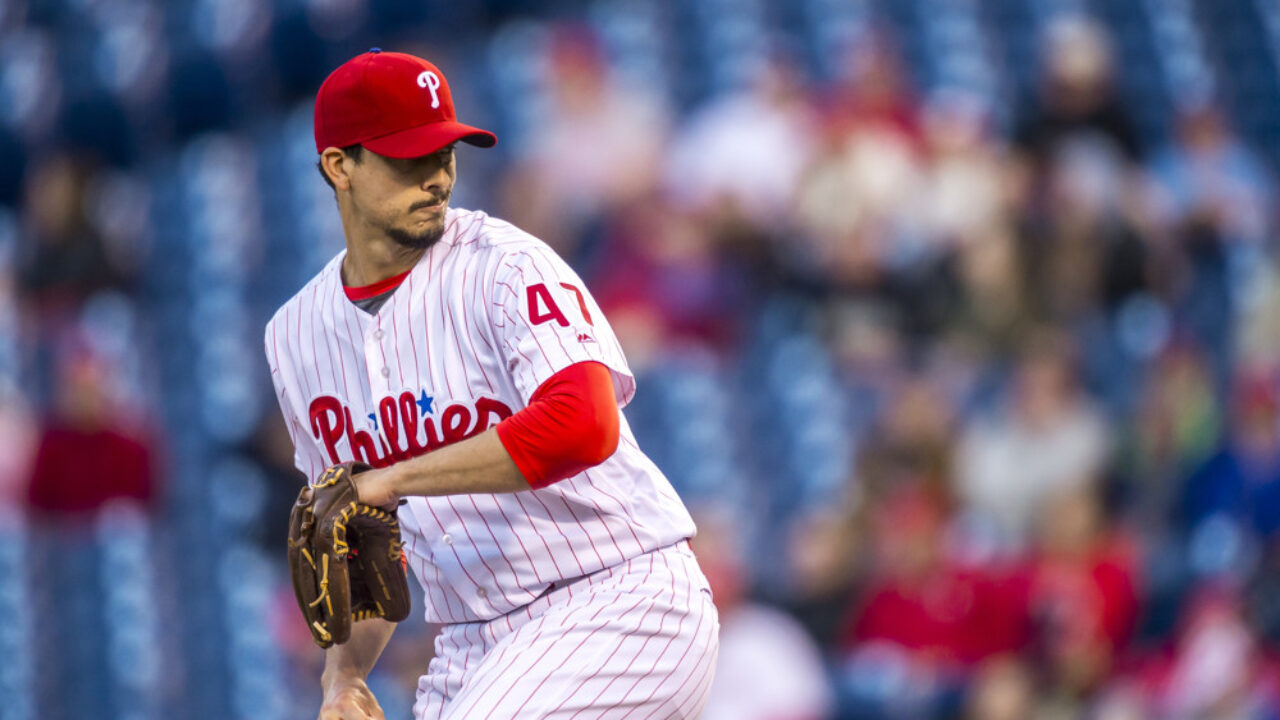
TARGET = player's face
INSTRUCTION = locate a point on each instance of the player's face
(405, 198)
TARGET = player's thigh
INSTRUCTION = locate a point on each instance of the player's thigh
(644, 652)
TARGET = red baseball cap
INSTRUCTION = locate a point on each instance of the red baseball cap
(394, 104)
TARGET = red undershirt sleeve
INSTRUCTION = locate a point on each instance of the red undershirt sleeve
(570, 424)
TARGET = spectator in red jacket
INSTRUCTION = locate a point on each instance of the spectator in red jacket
(1084, 594)
(945, 614)
(86, 456)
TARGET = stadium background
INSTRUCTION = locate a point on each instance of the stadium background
(956, 322)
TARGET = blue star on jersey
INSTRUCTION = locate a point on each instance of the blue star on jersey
(424, 403)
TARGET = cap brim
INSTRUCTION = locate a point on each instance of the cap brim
(426, 139)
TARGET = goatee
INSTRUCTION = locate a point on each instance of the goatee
(416, 241)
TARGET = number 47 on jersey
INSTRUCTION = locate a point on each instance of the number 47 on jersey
(543, 307)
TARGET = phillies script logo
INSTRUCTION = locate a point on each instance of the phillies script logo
(407, 429)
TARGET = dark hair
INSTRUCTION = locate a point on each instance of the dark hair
(353, 151)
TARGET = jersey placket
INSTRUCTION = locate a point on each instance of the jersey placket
(378, 362)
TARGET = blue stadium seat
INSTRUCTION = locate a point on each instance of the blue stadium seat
(246, 581)
(18, 606)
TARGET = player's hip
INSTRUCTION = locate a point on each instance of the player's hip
(668, 576)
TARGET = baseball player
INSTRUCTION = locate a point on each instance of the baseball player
(469, 365)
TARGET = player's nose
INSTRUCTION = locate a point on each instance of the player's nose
(437, 180)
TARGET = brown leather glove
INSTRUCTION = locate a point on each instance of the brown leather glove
(346, 558)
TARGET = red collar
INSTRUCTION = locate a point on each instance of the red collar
(364, 292)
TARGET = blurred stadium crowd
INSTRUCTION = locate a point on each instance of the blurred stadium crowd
(956, 322)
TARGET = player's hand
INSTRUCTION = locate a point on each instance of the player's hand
(376, 488)
(350, 700)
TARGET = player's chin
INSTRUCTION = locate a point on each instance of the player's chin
(420, 236)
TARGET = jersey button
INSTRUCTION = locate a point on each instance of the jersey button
(481, 592)
(386, 371)
(377, 334)
(447, 539)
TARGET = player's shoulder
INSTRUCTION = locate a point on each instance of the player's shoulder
(306, 296)
(491, 239)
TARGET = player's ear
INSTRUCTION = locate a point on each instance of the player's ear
(336, 165)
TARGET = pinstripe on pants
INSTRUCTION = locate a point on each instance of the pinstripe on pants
(642, 635)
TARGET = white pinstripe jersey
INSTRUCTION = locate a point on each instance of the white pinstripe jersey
(485, 317)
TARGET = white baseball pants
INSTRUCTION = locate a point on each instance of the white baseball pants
(635, 641)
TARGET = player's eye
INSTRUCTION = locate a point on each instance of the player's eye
(412, 166)
(403, 165)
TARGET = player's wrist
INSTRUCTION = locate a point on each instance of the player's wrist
(333, 682)
(379, 487)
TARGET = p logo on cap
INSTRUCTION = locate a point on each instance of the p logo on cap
(431, 81)
(376, 100)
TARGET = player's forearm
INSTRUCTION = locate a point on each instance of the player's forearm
(355, 658)
(479, 464)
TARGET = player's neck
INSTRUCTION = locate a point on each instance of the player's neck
(370, 261)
